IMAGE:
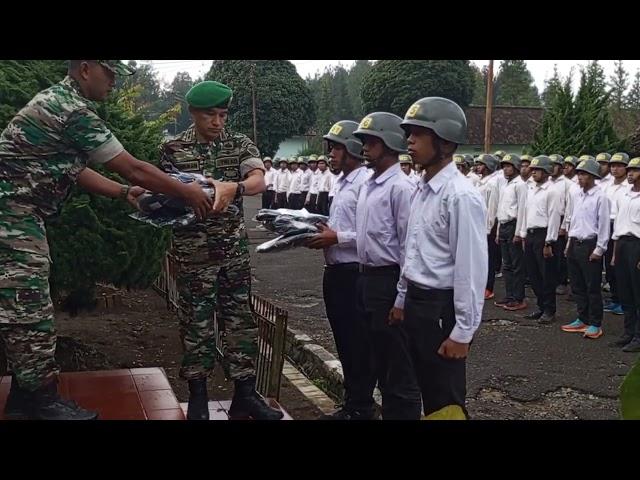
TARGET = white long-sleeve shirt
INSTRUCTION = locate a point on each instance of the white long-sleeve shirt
(568, 211)
(324, 182)
(542, 210)
(562, 186)
(342, 218)
(269, 178)
(590, 218)
(382, 216)
(305, 185)
(490, 192)
(334, 182)
(282, 181)
(628, 218)
(474, 178)
(613, 193)
(447, 247)
(295, 183)
(315, 180)
(513, 199)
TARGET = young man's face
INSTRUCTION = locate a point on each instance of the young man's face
(557, 169)
(585, 180)
(406, 168)
(373, 150)
(293, 167)
(283, 165)
(462, 168)
(604, 169)
(633, 175)
(618, 170)
(303, 167)
(538, 175)
(322, 166)
(508, 170)
(569, 169)
(313, 166)
(267, 165)
(482, 170)
(337, 156)
(422, 146)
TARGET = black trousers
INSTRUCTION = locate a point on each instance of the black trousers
(586, 277)
(543, 272)
(267, 198)
(350, 335)
(392, 361)
(303, 199)
(323, 203)
(628, 274)
(294, 201)
(313, 201)
(563, 268)
(493, 258)
(610, 272)
(429, 317)
(281, 198)
(512, 262)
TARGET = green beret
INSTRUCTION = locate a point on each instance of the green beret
(209, 94)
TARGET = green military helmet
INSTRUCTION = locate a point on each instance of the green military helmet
(459, 159)
(282, 160)
(302, 161)
(572, 159)
(634, 164)
(489, 161)
(589, 166)
(313, 158)
(469, 159)
(511, 159)
(405, 158)
(500, 154)
(322, 158)
(525, 158)
(620, 157)
(342, 133)
(602, 157)
(267, 159)
(386, 127)
(590, 157)
(443, 116)
(541, 162)
(557, 159)
(292, 160)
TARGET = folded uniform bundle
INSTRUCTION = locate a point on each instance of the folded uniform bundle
(294, 226)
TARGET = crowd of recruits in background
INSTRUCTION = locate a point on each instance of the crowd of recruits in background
(555, 221)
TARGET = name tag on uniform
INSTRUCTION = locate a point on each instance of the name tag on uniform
(227, 162)
(188, 166)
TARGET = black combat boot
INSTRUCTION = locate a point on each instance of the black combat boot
(47, 404)
(198, 400)
(18, 402)
(247, 403)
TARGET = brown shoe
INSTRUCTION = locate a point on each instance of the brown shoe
(514, 306)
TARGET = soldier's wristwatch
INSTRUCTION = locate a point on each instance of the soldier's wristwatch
(124, 191)
(239, 190)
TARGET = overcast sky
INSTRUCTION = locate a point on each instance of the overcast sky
(540, 69)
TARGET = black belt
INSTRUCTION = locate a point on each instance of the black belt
(374, 270)
(351, 266)
(536, 230)
(585, 240)
(428, 293)
(508, 222)
(629, 238)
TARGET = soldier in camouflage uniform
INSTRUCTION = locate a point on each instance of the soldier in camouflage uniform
(214, 274)
(44, 150)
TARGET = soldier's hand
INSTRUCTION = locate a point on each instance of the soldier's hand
(396, 316)
(562, 232)
(225, 192)
(517, 239)
(547, 252)
(453, 350)
(595, 257)
(132, 196)
(613, 261)
(198, 199)
(497, 241)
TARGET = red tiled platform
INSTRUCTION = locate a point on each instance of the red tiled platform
(128, 394)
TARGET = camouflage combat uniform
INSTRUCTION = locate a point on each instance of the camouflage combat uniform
(42, 151)
(214, 274)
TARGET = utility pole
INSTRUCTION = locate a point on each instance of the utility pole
(487, 118)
